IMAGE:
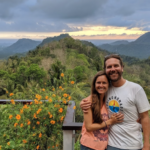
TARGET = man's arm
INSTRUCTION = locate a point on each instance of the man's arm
(85, 104)
(146, 127)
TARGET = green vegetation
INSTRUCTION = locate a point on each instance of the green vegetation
(33, 126)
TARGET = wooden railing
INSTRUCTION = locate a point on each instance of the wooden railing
(69, 125)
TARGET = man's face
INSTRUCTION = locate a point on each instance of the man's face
(113, 69)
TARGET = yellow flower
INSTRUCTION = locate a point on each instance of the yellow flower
(74, 107)
(38, 96)
(37, 122)
(46, 97)
(61, 110)
(39, 110)
(30, 103)
(62, 118)
(15, 124)
(50, 116)
(69, 98)
(33, 127)
(34, 115)
(10, 117)
(50, 100)
(40, 102)
(0, 147)
(56, 105)
(36, 101)
(52, 122)
(43, 89)
(21, 125)
(24, 141)
(11, 94)
(25, 107)
(72, 82)
(34, 134)
(60, 87)
(53, 95)
(12, 101)
(64, 102)
(21, 111)
(65, 95)
(6, 91)
(38, 147)
(40, 135)
(8, 143)
(18, 117)
(28, 122)
(62, 74)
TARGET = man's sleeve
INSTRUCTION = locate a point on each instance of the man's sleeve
(141, 101)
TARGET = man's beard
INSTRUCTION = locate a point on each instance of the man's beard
(119, 76)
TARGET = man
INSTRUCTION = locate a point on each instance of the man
(130, 99)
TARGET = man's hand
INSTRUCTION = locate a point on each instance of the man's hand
(85, 105)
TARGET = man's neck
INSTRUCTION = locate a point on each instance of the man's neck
(119, 82)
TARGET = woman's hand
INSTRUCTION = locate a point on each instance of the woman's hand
(116, 118)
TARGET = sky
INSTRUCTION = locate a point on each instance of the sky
(81, 19)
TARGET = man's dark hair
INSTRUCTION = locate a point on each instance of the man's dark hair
(113, 56)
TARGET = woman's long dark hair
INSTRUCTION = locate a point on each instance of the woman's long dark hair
(96, 103)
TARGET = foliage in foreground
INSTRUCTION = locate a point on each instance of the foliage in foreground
(36, 125)
(33, 126)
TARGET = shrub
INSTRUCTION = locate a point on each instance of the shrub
(36, 125)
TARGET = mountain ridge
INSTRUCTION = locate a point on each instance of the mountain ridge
(139, 48)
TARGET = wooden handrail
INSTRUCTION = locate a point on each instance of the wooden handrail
(69, 123)
(4, 101)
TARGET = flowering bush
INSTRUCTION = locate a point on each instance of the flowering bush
(36, 125)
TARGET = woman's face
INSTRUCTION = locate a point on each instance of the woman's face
(101, 84)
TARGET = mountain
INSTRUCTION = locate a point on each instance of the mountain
(87, 43)
(144, 39)
(139, 48)
(21, 46)
(120, 42)
(55, 38)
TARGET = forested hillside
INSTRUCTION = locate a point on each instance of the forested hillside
(41, 68)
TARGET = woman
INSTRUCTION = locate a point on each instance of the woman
(96, 120)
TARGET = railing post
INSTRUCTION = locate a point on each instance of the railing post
(68, 143)
(68, 140)
(69, 127)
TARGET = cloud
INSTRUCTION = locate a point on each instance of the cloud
(68, 9)
(72, 15)
(7, 8)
